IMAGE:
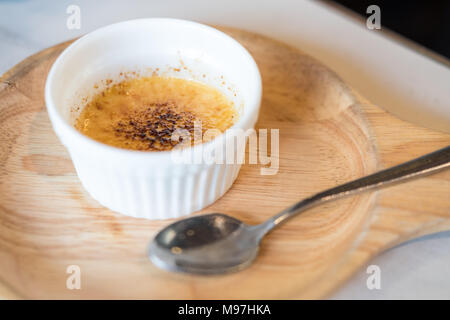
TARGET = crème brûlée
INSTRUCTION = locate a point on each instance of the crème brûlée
(143, 113)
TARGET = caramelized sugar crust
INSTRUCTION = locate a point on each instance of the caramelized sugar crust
(143, 113)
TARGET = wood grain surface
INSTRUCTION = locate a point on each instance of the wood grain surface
(328, 135)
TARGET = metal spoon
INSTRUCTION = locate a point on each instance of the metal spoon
(216, 243)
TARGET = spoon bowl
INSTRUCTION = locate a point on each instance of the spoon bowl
(207, 244)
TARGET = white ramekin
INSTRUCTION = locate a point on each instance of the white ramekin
(150, 184)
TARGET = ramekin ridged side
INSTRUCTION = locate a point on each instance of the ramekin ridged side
(155, 197)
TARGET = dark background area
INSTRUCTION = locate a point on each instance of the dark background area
(425, 22)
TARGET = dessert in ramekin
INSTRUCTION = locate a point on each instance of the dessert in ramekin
(143, 184)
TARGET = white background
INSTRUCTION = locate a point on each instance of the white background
(391, 75)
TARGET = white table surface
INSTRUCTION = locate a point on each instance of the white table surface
(404, 82)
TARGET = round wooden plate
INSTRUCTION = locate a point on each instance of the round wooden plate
(328, 135)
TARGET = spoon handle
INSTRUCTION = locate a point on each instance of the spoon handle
(418, 167)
